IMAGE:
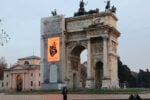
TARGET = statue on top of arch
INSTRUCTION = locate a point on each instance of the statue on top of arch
(112, 9)
(82, 10)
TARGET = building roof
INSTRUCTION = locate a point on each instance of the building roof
(29, 57)
(29, 67)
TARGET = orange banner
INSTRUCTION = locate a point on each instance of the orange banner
(53, 49)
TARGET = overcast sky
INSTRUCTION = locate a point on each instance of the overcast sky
(21, 20)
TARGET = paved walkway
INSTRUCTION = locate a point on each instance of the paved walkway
(70, 97)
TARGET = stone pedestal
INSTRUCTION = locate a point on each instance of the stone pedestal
(89, 83)
(106, 83)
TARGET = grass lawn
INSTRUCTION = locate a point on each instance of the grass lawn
(87, 91)
(109, 91)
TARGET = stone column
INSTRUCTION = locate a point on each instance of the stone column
(11, 80)
(106, 80)
(24, 81)
(42, 65)
(89, 76)
(65, 71)
(105, 56)
(68, 71)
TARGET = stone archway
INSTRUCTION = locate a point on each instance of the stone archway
(98, 74)
(19, 83)
(75, 65)
(95, 32)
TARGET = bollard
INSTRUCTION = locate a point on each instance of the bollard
(64, 92)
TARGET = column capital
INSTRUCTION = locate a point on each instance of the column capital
(105, 36)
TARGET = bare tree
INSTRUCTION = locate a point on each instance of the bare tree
(3, 65)
(4, 37)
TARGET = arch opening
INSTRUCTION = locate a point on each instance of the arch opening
(78, 59)
(83, 67)
(19, 83)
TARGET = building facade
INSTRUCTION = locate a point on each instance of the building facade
(63, 40)
(24, 75)
(1, 85)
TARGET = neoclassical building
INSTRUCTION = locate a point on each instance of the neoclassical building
(24, 75)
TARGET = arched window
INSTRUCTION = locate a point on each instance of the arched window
(26, 63)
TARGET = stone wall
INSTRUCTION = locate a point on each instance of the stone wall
(80, 22)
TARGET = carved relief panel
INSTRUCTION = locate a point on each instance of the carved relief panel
(95, 33)
(97, 45)
(76, 36)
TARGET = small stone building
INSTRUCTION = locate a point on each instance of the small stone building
(24, 75)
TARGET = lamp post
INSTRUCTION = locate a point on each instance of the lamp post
(4, 37)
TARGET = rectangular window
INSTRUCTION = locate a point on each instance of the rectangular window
(7, 84)
(2, 84)
(31, 83)
(39, 83)
(31, 74)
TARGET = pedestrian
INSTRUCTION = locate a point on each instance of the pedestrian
(134, 97)
(137, 97)
(64, 92)
(131, 97)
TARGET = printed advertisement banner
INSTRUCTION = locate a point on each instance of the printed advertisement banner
(53, 49)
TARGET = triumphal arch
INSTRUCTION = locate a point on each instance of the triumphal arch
(62, 41)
